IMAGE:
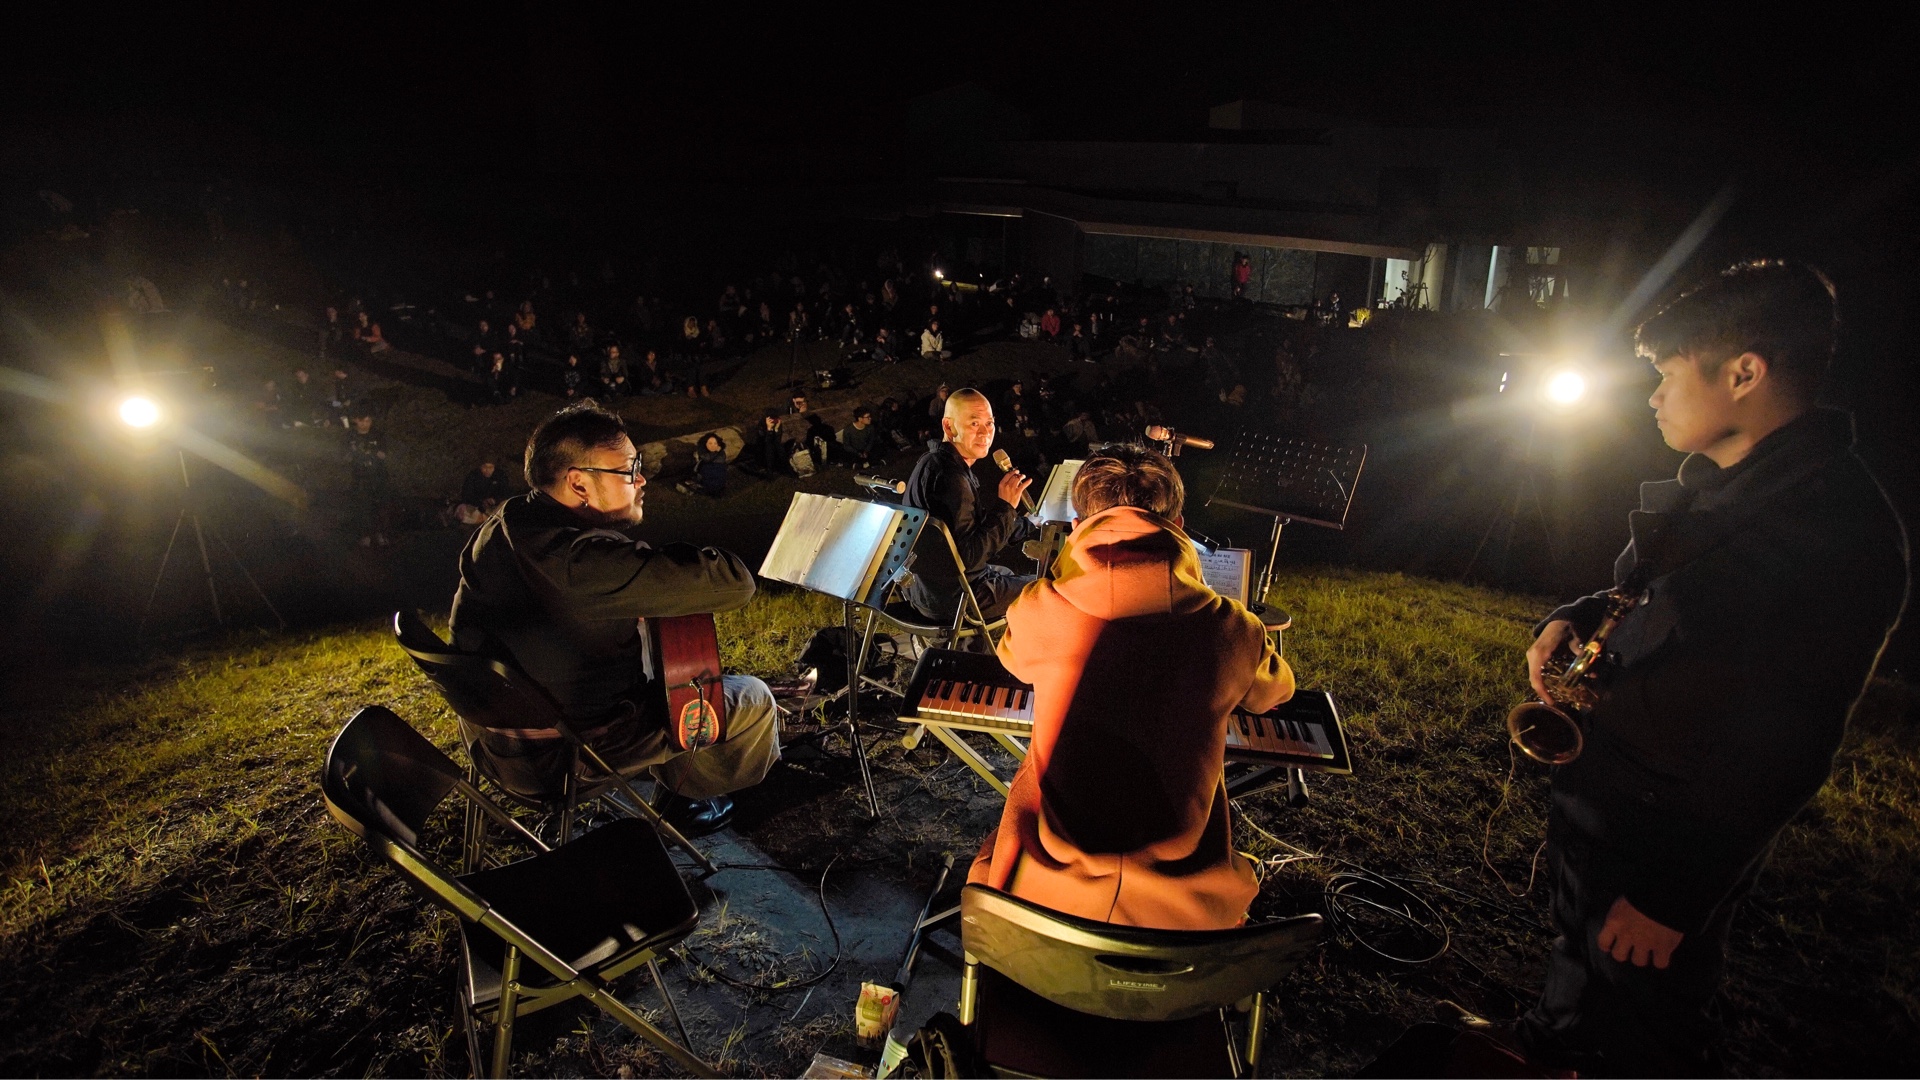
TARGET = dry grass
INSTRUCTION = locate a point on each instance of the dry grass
(176, 902)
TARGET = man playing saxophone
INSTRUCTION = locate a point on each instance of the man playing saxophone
(1768, 577)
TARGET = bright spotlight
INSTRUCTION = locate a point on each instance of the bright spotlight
(1566, 388)
(139, 412)
(939, 275)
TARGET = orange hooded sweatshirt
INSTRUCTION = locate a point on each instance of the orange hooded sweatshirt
(1119, 812)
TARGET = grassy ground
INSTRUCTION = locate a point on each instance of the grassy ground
(177, 902)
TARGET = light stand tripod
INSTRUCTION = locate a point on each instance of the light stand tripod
(190, 513)
(1525, 494)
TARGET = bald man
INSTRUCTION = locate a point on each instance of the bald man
(944, 485)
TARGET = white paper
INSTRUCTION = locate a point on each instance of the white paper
(1056, 499)
(1227, 571)
(831, 545)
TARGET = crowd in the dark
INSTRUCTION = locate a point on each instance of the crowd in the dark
(1145, 352)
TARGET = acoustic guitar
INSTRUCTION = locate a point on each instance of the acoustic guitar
(685, 655)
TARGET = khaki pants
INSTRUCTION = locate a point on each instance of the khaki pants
(535, 768)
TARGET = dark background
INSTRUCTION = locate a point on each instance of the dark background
(712, 140)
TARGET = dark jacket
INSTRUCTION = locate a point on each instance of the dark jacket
(943, 485)
(559, 598)
(1771, 588)
(478, 487)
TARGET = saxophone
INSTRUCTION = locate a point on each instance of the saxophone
(1549, 732)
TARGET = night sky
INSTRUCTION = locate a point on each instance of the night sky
(486, 82)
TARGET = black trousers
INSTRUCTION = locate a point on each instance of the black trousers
(1607, 1018)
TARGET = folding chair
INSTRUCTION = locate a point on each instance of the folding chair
(585, 913)
(557, 770)
(969, 625)
(1048, 994)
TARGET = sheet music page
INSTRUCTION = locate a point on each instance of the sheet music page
(1056, 499)
(800, 533)
(852, 537)
(889, 530)
(1227, 571)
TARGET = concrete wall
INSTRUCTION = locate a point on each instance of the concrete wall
(1053, 246)
(1280, 275)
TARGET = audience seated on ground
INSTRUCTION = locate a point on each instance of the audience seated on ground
(483, 489)
(709, 468)
(859, 442)
(932, 345)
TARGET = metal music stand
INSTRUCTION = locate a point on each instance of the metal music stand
(1055, 511)
(1289, 480)
(852, 550)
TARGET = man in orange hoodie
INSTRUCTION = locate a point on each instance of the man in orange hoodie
(1120, 811)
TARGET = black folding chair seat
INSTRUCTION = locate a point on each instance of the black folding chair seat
(908, 618)
(588, 901)
(583, 914)
(517, 737)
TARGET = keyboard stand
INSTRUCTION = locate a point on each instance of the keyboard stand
(950, 735)
(1259, 778)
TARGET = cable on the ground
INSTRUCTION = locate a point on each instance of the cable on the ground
(812, 980)
(1357, 900)
(1486, 840)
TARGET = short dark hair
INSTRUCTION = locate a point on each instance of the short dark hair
(563, 438)
(1785, 312)
(1128, 476)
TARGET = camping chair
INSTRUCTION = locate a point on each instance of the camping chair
(585, 913)
(968, 625)
(559, 771)
(1048, 994)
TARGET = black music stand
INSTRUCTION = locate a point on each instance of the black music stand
(851, 550)
(1289, 480)
(1054, 509)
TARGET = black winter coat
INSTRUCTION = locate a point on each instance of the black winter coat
(561, 599)
(1771, 588)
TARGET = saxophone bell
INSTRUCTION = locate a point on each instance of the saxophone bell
(1549, 731)
(1545, 733)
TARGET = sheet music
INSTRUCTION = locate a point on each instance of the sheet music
(1227, 571)
(1056, 499)
(798, 539)
(856, 538)
(831, 545)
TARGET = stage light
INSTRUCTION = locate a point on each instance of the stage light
(939, 275)
(1566, 388)
(139, 412)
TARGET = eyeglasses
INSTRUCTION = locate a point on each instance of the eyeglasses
(631, 472)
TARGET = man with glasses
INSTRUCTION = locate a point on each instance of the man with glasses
(553, 584)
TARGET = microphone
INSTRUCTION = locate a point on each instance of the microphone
(1203, 540)
(880, 483)
(1162, 433)
(1001, 459)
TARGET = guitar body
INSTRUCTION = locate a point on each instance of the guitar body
(685, 651)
